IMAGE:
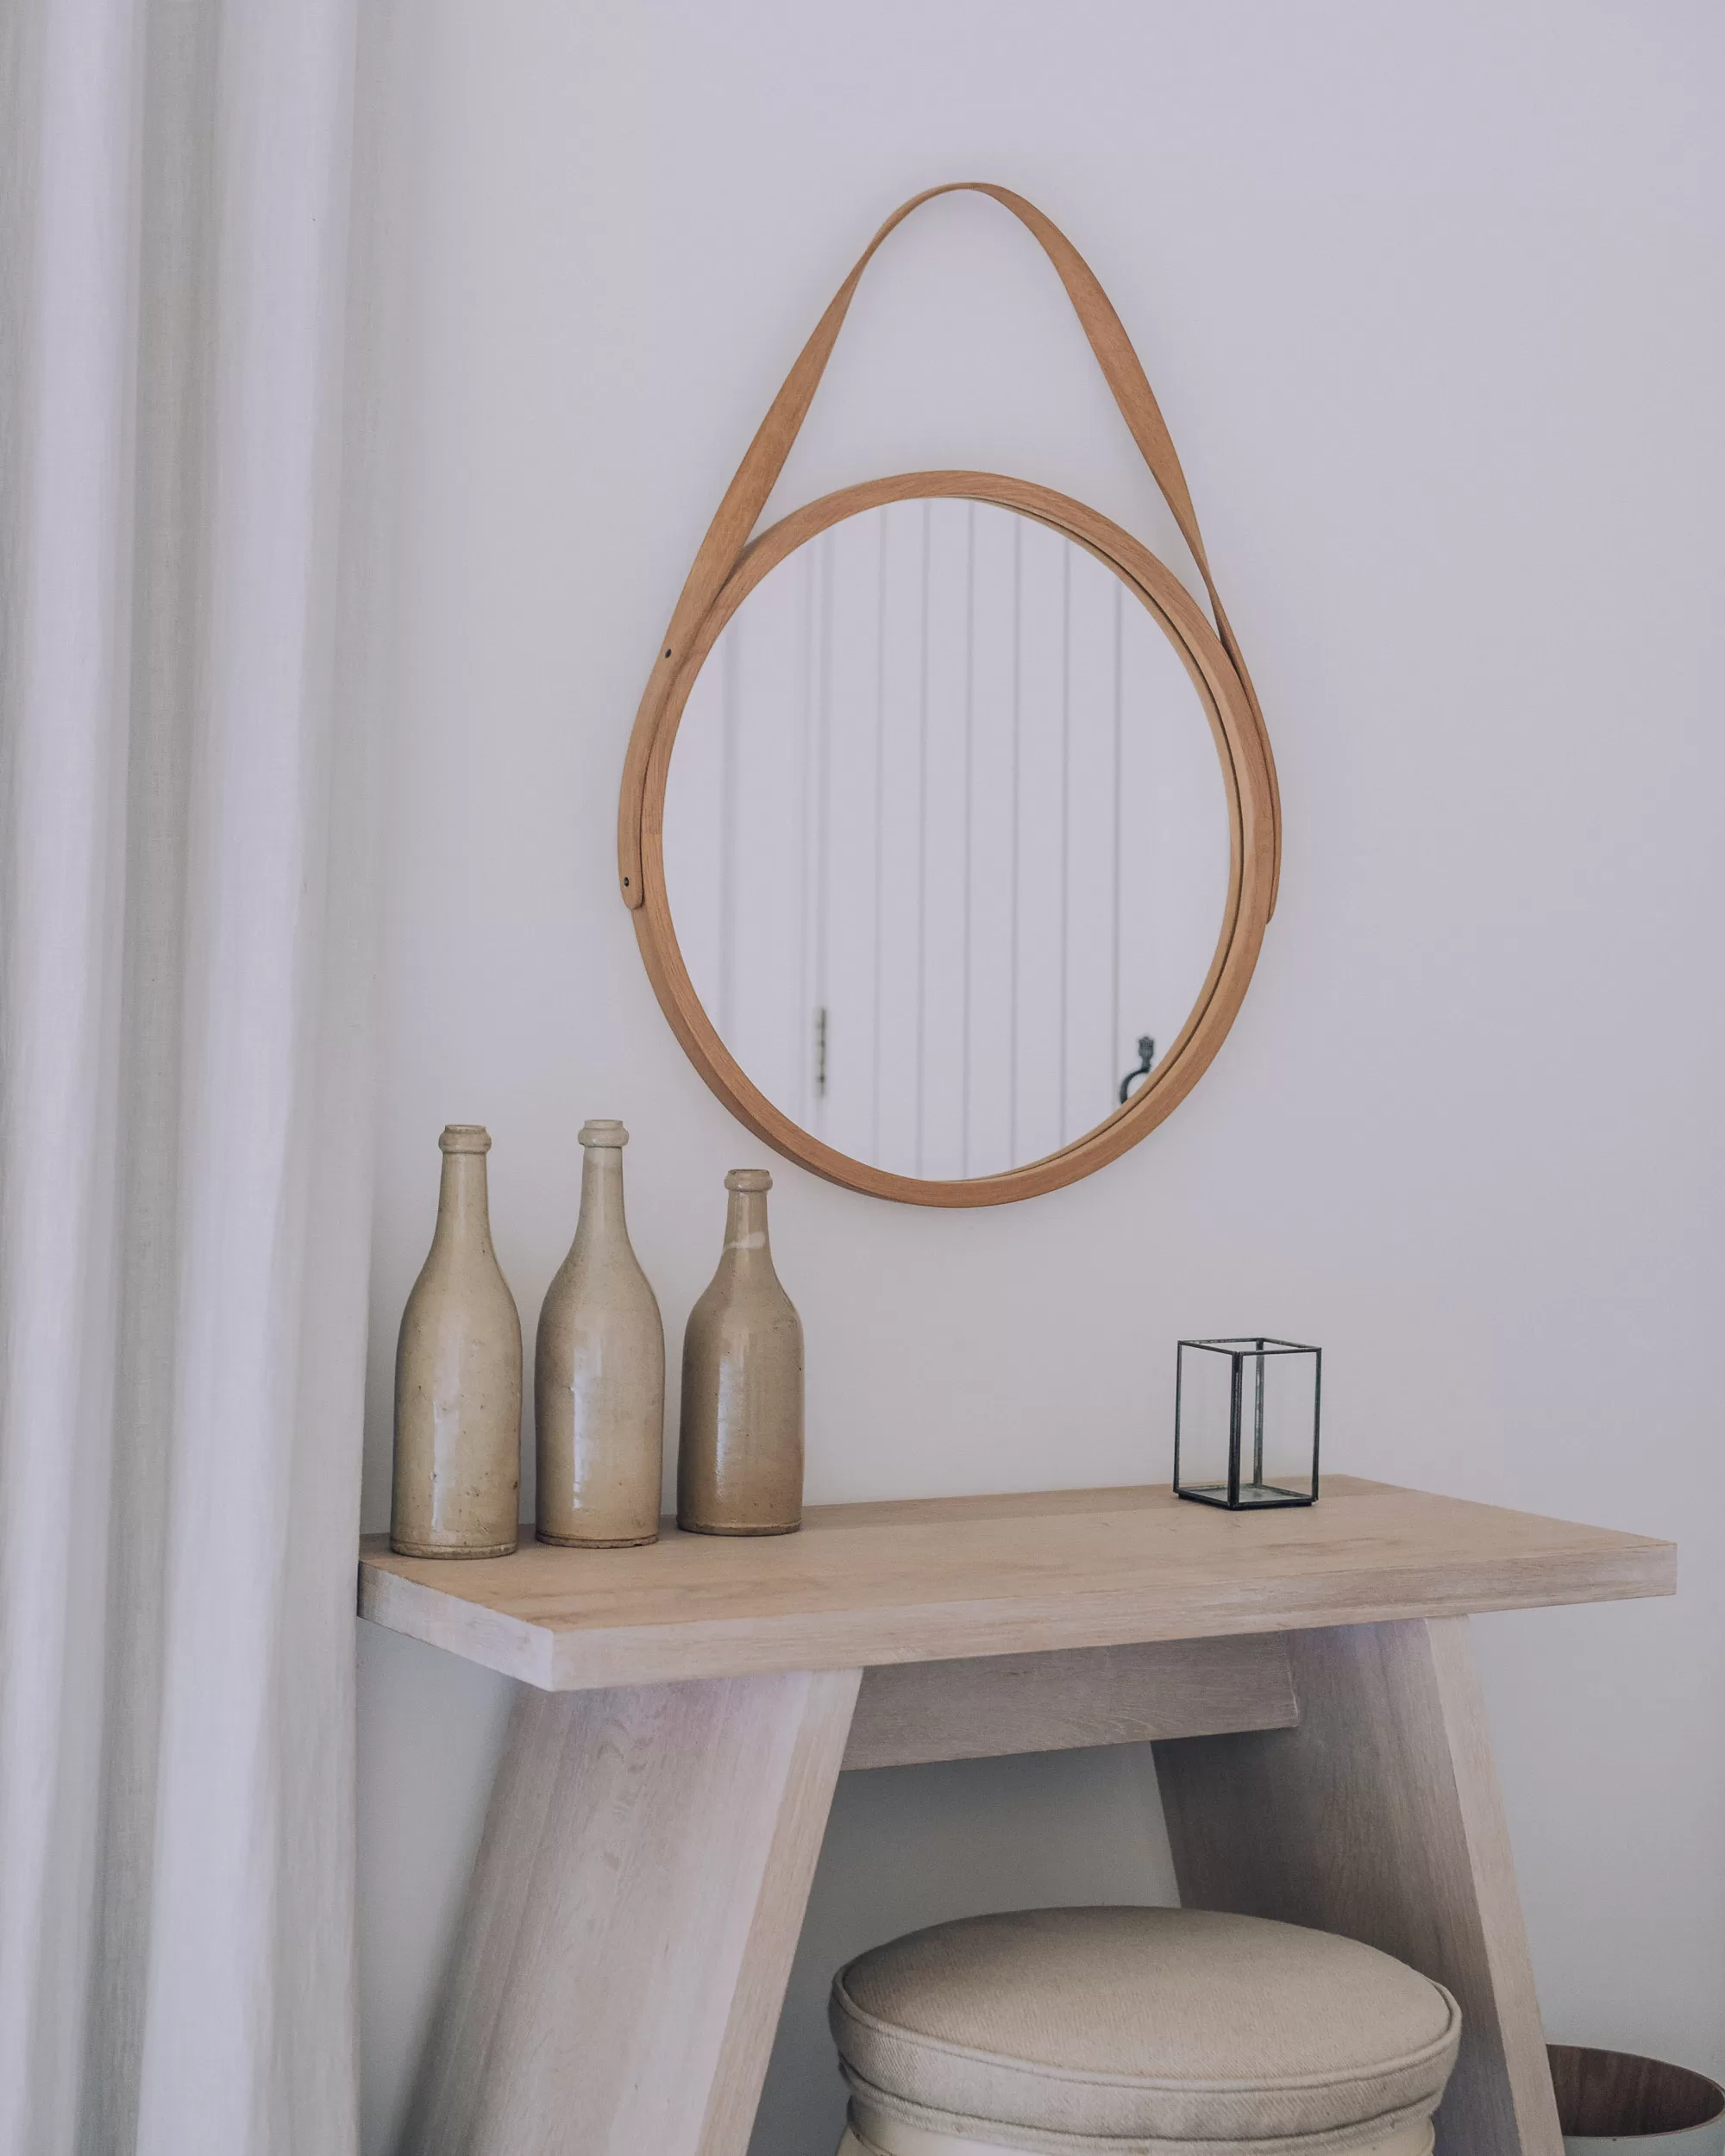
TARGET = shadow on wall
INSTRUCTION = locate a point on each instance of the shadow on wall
(909, 1846)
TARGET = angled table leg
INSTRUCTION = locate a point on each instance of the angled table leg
(629, 1930)
(1379, 1816)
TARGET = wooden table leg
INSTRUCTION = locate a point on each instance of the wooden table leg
(633, 1913)
(1379, 1816)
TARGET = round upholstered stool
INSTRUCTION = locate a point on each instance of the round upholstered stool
(1143, 2032)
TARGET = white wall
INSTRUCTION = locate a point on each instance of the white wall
(1432, 295)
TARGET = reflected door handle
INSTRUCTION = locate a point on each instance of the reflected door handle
(1146, 1056)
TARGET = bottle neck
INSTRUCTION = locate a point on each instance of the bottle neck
(745, 1229)
(462, 1210)
(601, 1213)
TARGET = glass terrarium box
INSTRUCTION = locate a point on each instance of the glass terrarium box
(1245, 1423)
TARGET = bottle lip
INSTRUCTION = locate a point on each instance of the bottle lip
(603, 1130)
(465, 1138)
(748, 1179)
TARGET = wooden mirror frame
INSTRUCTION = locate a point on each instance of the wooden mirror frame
(729, 565)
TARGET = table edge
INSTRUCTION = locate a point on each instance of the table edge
(572, 1658)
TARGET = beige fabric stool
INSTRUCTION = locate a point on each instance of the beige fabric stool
(1143, 2032)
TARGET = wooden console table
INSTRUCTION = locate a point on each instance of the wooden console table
(686, 1709)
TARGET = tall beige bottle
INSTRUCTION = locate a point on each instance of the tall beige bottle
(458, 1379)
(740, 1463)
(598, 1373)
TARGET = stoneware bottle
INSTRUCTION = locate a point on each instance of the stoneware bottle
(598, 1374)
(740, 1464)
(458, 1379)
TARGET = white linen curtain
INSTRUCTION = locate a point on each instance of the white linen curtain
(184, 1085)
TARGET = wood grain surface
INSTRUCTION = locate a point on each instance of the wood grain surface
(937, 1579)
(628, 1930)
(1606, 2093)
(1379, 1817)
(908, 1712)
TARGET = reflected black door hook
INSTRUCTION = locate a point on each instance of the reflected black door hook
(1146, 1056)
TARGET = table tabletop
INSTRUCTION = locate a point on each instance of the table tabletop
(931, 1579)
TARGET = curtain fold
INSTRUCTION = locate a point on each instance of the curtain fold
(186, 817)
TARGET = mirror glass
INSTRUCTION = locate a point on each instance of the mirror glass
(947, 842)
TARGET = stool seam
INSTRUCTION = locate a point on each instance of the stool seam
(1321, 2141)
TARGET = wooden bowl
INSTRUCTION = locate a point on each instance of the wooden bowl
(1615, 2100)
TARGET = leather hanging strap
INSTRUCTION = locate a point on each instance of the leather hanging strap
(746, 497)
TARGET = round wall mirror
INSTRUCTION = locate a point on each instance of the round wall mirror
(947, 845)
(946, 841)
(948, 823)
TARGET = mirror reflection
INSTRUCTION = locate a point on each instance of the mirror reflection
(947, 843)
